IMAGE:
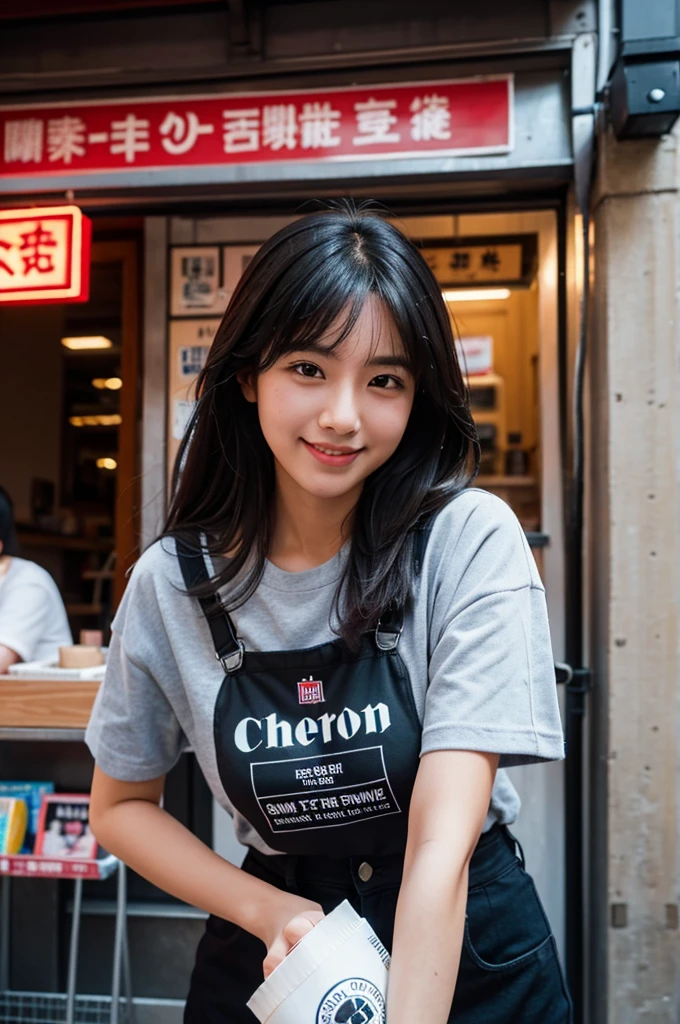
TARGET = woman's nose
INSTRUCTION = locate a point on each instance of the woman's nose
(340, 412)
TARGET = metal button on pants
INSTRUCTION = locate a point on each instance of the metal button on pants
(365, 872)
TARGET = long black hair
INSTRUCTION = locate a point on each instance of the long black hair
(8, 536)
(306, 278)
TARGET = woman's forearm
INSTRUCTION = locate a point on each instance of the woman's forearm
(428, 935)
(159, 848)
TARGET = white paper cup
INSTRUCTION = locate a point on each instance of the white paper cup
(336, 974)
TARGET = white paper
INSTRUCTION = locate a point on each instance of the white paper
(181, 414)
(337, 972)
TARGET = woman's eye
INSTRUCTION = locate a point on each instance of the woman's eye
(305, 369)
(386, 382)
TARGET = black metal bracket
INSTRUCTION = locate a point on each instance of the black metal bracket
(577, 680)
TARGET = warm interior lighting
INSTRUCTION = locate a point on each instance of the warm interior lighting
(112, 383)
(475, 294)
(106, 464)
(100, 420)
(95, 341)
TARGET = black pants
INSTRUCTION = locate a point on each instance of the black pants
(509, 972)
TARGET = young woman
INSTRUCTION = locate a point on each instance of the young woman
(351, 641)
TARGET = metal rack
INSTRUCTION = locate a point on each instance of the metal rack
(66, 1008)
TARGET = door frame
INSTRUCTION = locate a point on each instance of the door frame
(126, 521)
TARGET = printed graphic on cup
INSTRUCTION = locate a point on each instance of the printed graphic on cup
(352, 1001)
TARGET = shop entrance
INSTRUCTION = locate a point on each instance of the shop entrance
(69, 418)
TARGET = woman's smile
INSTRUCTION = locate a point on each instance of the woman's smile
(331, 455)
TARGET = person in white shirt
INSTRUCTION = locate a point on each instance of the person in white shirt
(33, 622)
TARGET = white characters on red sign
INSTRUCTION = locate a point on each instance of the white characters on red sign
(374, 122)
(431, 118)
(35, 252)
(24, 141)
(241, 130)
(130, 137)
(180, 132)
(65, 138)
(318, 121)
(279, 126)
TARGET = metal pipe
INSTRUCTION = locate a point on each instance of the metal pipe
(73, 952)
(118, 943)
(4, 932)
(576, 691)
(604, 43)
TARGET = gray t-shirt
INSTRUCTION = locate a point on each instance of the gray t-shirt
(476, 645)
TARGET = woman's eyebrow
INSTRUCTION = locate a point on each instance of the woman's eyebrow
(379, 360)
(389, 361)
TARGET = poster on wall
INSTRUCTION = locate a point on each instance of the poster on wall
(236, 259)
(189, 345)
(196, 288)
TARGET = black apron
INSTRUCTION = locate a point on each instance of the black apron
(317, 748)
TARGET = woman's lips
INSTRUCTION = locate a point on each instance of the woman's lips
(341, 459)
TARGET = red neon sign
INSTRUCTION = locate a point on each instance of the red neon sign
(44, 255)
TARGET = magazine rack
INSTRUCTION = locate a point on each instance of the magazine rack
(29, 866)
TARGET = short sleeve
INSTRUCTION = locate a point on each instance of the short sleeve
(23, 620)
(134, 733)
(491, 671)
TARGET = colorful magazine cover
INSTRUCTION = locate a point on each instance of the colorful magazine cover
(13, 821)
(64, 829)
(32, 793)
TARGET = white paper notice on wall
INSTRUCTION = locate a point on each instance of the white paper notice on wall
(181, 414)
(475, 355)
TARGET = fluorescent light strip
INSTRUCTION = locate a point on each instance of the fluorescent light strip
(475, 294)
(78, 344)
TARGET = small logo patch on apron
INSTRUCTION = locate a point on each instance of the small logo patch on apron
(310, 691)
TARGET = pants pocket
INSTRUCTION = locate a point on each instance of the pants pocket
(509, 969)
(505, 922)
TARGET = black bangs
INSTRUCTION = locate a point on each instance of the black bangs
(317, 311)
(304, 290)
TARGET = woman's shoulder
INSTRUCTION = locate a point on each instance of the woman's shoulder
(474, 510)
(478, 532)
(157, 567)
(26, 572)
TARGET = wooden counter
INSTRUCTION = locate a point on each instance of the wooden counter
(46, 703)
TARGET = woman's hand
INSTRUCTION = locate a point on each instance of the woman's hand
(292, 921)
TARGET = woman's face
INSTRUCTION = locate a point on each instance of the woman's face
(333, 419)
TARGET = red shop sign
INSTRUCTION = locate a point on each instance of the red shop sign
(454, 118)
(44, 255)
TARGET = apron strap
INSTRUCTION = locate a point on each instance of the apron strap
(391, 623)
(229, 649)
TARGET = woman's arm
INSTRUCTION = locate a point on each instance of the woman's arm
(449, 804)
(7, 657)
(128, 821)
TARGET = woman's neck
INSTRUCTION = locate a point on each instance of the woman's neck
(308, 531)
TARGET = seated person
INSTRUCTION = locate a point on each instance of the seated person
(33, 623)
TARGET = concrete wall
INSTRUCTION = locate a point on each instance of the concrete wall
(635, 579)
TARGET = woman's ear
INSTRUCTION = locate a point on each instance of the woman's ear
(248, 382)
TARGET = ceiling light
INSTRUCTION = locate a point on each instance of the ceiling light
(475, 294)
(106, 464)
(99, 420)
(89, 342)
(112, 383)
